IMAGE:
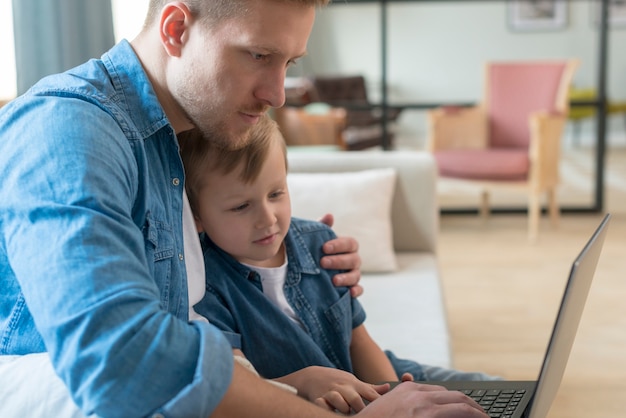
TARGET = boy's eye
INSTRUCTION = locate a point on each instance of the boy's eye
(239, 208)
(259, 57)
(276, 195)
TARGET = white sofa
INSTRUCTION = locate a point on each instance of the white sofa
(405, 308)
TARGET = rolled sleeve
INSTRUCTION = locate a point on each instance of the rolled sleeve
(211, 379)
(358, 313)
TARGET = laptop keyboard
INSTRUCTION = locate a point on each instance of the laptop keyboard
(497, 403)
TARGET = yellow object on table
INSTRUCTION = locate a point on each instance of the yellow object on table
(577, 113)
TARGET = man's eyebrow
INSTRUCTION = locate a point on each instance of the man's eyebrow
(272, 50)
(304, 54)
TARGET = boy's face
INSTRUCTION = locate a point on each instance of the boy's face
(248, 221)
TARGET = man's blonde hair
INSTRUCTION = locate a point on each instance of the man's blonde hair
(214, 11)
(201, 156)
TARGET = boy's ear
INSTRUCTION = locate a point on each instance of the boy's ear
(175, 20)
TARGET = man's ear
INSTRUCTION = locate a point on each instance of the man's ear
(174, 23)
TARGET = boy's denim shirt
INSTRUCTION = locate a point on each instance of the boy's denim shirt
(92, 267)
(273, 343)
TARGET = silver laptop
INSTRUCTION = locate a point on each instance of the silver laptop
(532, 399)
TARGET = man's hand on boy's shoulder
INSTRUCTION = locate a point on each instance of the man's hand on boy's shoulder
(342, 254)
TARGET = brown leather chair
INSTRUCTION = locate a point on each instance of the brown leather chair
(363, 127)
(300, 126)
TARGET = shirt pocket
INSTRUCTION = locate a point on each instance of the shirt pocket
(339, 315)
(20, 335)
(159, 245)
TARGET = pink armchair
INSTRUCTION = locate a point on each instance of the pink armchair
(513, 137)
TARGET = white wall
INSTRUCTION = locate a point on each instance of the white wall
(436, 49)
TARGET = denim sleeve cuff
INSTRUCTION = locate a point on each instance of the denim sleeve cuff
(212, 377)
(358, 313)
(233, 338)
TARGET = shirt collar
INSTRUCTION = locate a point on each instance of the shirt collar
(131, 82)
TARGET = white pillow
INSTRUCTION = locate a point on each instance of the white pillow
(360, 202)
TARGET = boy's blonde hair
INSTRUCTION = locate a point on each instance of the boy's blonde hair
(214, 11)
(201, 156)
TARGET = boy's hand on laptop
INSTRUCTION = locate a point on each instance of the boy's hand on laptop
(333, 389)
(342, 254)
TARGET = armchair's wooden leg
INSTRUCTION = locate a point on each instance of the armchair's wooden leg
(553, 207)
(484, 205)
(534, 210)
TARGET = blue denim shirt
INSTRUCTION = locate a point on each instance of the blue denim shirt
(273, 343)
(92, 266)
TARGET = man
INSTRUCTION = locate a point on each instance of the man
(94, 266)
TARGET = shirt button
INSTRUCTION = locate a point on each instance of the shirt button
(175, 181)
(181, 257)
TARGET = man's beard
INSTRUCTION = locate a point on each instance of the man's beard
(209, 117)
(217, 131)
(220, 137)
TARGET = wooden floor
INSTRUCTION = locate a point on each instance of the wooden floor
(502, 293)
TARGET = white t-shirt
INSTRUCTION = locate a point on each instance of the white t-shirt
(273, 280)
(194, 261)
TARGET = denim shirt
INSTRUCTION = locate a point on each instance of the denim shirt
(92, 266)
(275, 344)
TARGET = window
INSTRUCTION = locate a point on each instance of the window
(128, 17)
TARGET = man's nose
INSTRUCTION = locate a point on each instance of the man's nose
(272, 89)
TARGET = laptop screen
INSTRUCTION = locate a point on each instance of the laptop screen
(566, 324)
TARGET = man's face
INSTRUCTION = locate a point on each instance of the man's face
(248, 220)
(232, 73)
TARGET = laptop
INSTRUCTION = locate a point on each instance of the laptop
(532, 399)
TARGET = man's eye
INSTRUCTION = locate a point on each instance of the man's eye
(259, 57)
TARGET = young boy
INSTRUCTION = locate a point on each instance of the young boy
(264, 288)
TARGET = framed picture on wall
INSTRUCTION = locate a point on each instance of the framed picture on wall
(537, 15)
(617, 13)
